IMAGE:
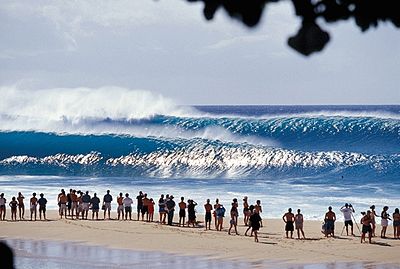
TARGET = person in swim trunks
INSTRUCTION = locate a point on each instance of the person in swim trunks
(33, 205)
(21, 206)
(120, 208)
(151, 210)
(288, 218)
(42, 206)
(62, 201)
(139, 206)
(246, 211)
(182, 212)
(14, 205)
(330, 218)
(107, 199)
(145, 207)
(366, 226)
(128, 206)
(208, 208)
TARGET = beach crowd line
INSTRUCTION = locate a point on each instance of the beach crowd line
(77, 204)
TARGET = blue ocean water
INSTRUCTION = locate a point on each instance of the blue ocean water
(287, 156)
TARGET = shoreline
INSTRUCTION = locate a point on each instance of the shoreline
(273, 246)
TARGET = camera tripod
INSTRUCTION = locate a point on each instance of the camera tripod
(355, 222)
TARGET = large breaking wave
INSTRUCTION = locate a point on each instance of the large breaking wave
(120, 132)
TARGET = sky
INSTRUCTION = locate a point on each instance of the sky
(166, 47)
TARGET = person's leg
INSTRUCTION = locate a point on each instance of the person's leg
(352, 229)
(255, 236)
(347, 229)
(291, 234)
(302, 232)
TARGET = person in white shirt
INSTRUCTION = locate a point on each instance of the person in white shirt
(348, 211)
(127, 202)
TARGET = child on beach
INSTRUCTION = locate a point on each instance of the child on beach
(13, 205)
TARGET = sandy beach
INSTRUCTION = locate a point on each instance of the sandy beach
(273, 246)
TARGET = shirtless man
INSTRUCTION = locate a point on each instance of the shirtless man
(385, 217)
(120, 209)
(366, 226)
(145, 207)
(2, 207)
(85, 204)
(246, 211)
(208, 208)
(62, 201)
(21, 206)
(182, 212)
(330, 218)
(33, 205)
(74, 204)
(14, 205)
(42, 206)
(288, 218)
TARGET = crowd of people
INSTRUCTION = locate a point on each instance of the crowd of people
(77, 204)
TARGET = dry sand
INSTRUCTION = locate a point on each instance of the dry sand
(273, 245)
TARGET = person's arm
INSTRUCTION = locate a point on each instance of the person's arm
(334, 217)
(283, 218)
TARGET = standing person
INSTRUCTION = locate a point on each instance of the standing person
(208, 208)
(366, 226)
(145, 207)
(182, 211)
(246, 210)
(42, 206)
(258, 209)
(234, 216)
(62, 201)
(384, 221)
(13, 204)
(396, 224)
(171, 208)
(62, 192)
(220, 213)
(192, 212)
(139, 207)
(347, 211)
(288, 218)
(69, 202)
(79, 209)
(161, 209)
(151, 210)
(3, 202)
(255, 223)
(21, 206)
(107, 199)
(74, 204)
(127, 206)
(85, 204)
(95, 203)
(373, 221)
(249, 226)
(330, 218)
(120, 209)
(216, 206)
(33, 204)
(298, 221)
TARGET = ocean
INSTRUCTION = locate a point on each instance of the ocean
(307, 157)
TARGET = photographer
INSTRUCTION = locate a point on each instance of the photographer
(347, 211)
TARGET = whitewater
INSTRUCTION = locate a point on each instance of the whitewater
(129, 140)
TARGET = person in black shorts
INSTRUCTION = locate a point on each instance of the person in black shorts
(288, 218)
(42, 206)
(366, 226)
(182, 211)
(139, 199)
(208, 207)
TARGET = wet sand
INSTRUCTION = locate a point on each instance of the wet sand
(212, 247)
